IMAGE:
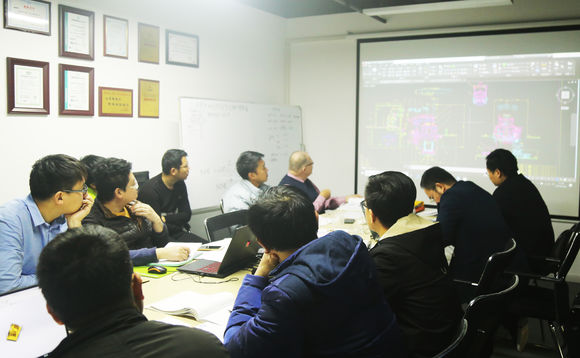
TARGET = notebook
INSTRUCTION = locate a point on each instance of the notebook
(38, 332)
(240, 253)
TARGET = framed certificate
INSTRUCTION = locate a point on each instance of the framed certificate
(148, 98)
(116, 35)
(181, 49)
(76, 33)
(115, 102)
(28, 90)
(76, 90)
(148, 43)
(27, 15)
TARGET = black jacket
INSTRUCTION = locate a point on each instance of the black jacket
(127, 333)
(527, 216)
(136, 231)
(412, 272)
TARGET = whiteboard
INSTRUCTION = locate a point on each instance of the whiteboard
(214, 133)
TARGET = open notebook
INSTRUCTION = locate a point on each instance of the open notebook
(195, 305)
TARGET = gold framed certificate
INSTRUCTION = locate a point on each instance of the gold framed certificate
(148, 43)
(148, 98)
(115, 102)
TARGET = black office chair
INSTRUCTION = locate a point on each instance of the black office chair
(459, 336)
(483, 315)
(546, 297)
(223, 225)
(492, 274)
(141, 177)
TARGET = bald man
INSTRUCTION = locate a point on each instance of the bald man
(299, 169)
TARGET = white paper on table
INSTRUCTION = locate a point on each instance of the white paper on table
(216, 255)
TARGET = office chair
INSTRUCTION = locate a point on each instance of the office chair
(550, 301)
(223, 225)
(461, 332)
(483, 315)
(141, 177)
(492, 273)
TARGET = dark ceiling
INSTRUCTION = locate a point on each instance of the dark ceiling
(300, 8)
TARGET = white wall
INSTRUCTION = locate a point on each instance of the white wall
(242, 58)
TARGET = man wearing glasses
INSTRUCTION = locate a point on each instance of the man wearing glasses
(58, 200)
(167, 195)
(117, 208)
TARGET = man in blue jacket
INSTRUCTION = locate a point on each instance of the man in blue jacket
(309, 297)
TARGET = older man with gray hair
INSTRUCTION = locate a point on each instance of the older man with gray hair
(299, 169)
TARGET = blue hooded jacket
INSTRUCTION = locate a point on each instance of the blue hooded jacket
(322, 301)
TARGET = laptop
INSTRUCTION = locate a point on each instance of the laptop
(39, 333)
(240, 253)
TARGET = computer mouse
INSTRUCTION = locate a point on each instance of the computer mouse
(157, 269)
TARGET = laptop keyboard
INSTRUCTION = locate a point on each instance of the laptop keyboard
(211, 268)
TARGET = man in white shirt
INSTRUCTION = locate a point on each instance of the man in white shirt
(254, 174)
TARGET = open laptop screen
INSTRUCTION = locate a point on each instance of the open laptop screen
(39, 333)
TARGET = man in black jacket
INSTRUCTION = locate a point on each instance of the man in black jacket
(411, 264)
(166, 193)
(522, 207)
(87, 279)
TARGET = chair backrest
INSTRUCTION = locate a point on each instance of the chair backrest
(483, 315)
(494, 269)
(569, 255)
(459, 336)
(141, 177)
(224, 225)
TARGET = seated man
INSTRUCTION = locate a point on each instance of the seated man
(57, 201)
(470, 221)
(89, 285)
(299, 169)
(117, 208)
(522, 207)
(254, 173)
(167, 195)
(309, 297)
(411, 265)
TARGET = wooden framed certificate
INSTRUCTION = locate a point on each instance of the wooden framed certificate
(181, 49)
(148, 98)
(115, 102)
(116, 37)
(76, 90)
(27, 15)
(76, 33)
(28, 87)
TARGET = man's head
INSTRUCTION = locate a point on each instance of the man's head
(90, 161)
(501, 164)
(85, 272)
(283, 219)
(251, 166)
(115, 181)
(59, 179)
(435, 181)
(174, 163)
(389, 196)
(300, 164)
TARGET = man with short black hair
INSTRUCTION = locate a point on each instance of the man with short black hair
(58, 200)
(90, 161)
(252, 169)
(88, 282)
(166, 193)
(470, 221)
(522, 207)
(411, 264)
(309, 297)
(117, 208)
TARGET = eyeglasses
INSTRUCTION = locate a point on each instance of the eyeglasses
(83, 190)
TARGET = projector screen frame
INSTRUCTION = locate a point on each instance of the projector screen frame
(539, 29)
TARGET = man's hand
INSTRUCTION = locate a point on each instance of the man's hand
(267, 264)
(173, 253)
(75, 219)
(325, 193)
(146, 211)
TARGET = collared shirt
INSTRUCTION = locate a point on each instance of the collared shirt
(404, 225)
(241, 195)
(23, 235)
